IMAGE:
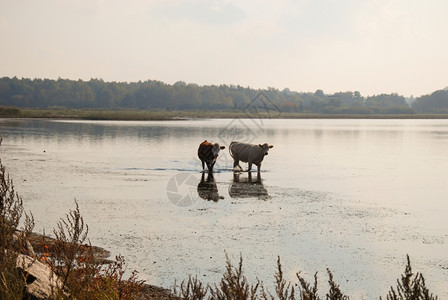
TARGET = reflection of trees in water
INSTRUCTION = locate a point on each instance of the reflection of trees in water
(247, 187)
(96, 131)
(207, 188)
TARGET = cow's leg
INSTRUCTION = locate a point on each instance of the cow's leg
(259, 168)
(249, 167)
(236, 163)
(203, 165)
(210, 167)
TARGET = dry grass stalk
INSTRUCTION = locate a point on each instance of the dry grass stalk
(409, 287)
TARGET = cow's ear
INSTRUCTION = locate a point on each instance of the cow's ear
(260, 145)
(222, 147)
(271, 146)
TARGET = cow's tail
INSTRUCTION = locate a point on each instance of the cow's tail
(230, 149)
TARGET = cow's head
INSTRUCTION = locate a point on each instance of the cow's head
(265, 147)
(215, 149)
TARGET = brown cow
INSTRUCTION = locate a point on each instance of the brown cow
(208, 153)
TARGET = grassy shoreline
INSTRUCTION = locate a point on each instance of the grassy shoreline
(157, 115)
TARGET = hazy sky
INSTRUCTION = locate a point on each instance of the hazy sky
(371, 46)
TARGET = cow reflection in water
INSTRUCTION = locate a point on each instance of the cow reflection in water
(246, 187)
(207, 188)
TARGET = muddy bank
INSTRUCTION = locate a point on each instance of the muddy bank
(38, 241)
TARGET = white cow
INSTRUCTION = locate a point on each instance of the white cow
(250, 153)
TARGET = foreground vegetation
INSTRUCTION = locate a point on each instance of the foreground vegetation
(234, 285)
(79, 274)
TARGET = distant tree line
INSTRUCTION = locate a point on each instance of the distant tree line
(156, 95)
(437, 102)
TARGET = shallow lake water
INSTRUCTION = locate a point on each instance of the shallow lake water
(353, 196)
